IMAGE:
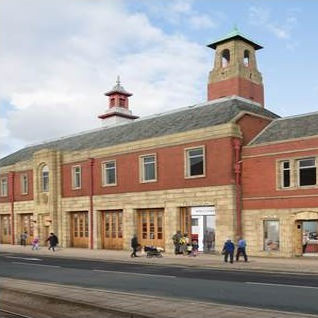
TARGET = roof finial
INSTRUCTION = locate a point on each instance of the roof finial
(118, 80)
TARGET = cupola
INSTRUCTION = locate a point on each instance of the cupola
(118, 106)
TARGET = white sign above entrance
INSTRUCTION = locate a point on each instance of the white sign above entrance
(203, 210)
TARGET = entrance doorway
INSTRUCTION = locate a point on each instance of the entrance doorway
(112, 229)
(5, 229)
(203, 227)
(310, 237)
(27, 225)
(151, 227)
(79, 229)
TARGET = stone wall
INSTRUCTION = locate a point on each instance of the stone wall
(290, 235)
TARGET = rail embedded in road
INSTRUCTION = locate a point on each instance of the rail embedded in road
(10, 314)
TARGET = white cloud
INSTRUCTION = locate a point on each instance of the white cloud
(202, 22)
(60, 57)
(182, 13)
(262, 17)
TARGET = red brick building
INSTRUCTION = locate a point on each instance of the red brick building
(199, 169)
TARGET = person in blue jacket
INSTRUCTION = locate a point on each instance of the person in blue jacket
(228, 249)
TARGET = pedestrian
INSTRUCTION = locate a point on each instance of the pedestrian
(305, 241)
(207, 241)
(228, 249)
(176, 242)
(195, 248)
(134, 245)
(23, 238)
(35, 243)
(53, 241)
(241, 248)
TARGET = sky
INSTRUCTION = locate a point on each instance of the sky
(58, 58)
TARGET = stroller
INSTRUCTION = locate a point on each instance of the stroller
(153, 251)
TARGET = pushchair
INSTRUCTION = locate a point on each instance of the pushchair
(153, 251)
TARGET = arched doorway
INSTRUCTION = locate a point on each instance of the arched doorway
(306, 233)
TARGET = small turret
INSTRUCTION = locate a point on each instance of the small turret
(118, 106)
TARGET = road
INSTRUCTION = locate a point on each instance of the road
(278, 291)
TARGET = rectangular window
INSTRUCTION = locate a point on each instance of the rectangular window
(307, 172)
(76, 177)
(148, 168)
(195, 163)
(271, 235)
(109, 173)
(4, 187)
(24, 184)
(285, 173)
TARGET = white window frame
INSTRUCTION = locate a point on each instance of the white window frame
(24, 180)
(142, 167)
(104, 173)
(47, 170)
(187, 162)
(298, 171)
(4, 190)
(74, 177)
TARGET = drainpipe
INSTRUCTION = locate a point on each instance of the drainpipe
(11, 198)
(91, 194)
(237, 170)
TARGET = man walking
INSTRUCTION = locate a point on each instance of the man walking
(23, 238)
(176, 242)
(53, 241)
(134, 245)
(241, 248)
(228, 249)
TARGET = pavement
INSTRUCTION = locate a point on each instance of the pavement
(119, 304)
(305, 265)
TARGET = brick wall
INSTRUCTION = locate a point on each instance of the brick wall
(251, 126)
(236, 86)
(261, 176)
(170, 170)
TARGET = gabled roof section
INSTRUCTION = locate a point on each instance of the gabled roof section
(235, 34)
(198, 116)
(282, 129)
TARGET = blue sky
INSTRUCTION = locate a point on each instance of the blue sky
(58, 57)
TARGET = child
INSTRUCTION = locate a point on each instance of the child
(195, 247)
(35, 244)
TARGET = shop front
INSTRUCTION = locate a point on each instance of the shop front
(27, 226)
(5, 229)
(112, 229)
(79, 229)
(151, 227)
(199, 223)
(310, 237)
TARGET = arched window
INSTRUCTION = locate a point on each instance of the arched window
(246, 58)
(45, 178)
(225, 58)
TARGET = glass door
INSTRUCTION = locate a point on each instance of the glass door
(151, 227)
(112, 229)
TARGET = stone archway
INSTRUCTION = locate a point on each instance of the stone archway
(299, 218)
(306, 215)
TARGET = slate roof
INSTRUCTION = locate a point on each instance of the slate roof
(288, 128)
(181, 120)
(235, 34)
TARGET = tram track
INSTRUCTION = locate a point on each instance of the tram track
(10, 314)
